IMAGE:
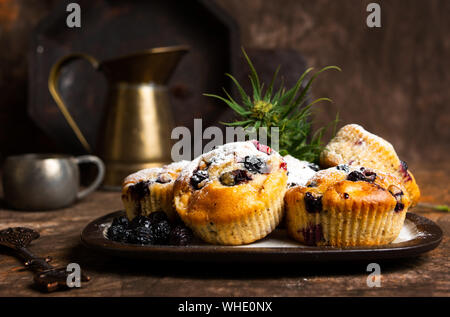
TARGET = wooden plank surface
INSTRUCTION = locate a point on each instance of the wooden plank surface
(426, 275)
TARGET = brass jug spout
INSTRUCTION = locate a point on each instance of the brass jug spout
(137, 124)
(150, 66)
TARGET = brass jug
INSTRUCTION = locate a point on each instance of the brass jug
(138, 121)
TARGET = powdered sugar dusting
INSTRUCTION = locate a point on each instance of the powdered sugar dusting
(165, 173)
(300, 172)
(229, 151)
(374, 137)
(409, 231)
(145, 174)
(226, 153)
(177, 165)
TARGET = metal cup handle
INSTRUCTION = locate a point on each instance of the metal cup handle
(53, 78)
(100, 174)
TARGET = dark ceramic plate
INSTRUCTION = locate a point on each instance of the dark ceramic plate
(418, 235)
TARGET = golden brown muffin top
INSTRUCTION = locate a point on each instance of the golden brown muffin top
(353, 145)
(159, 175)
(229, 182)
(345, 186)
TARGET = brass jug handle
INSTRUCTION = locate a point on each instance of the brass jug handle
(53, 78)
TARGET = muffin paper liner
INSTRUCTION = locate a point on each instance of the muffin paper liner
(246, 230)
(347, 224)
(160, 198)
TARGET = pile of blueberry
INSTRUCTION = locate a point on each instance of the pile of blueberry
(154, 229)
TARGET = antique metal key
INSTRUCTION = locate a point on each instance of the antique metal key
(46, 277)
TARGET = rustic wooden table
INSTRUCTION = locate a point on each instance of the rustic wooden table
(427, 275)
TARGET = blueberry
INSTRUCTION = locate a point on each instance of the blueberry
(397, 193)
(235, 177)
(314, 167)
(312, 234)
(356, 176)
(241, 176)
(157, 216)
(365, 176)
(120, 221)
(313, 204)
(399, 207)
(154, 229)
(404, 170)
(127, 235)
(180, 235)
(115, 233)
(140, 221)
(161, 232)
(404, 165)
(139, 190)
(142, 235)
(255, 165)
(312, 184)
(118, 229)
(198, 177)
(343, 167)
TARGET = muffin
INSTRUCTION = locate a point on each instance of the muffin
(151, 190)
(353, 145)
(347, 206)
(234, 194)
(299, 172)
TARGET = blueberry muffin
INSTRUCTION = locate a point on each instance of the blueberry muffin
(234, 194)
(299, 172)
(151, 190)
(353, 145)
(347, 206)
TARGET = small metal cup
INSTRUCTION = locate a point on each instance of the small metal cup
(46, 181)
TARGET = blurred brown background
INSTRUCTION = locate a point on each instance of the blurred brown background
(394, 80)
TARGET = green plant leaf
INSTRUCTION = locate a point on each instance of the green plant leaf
(236, 123)
(245, 98)
(268, 93)
(290, 94)
(253, 74)
(241, 111)
(284, 109)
